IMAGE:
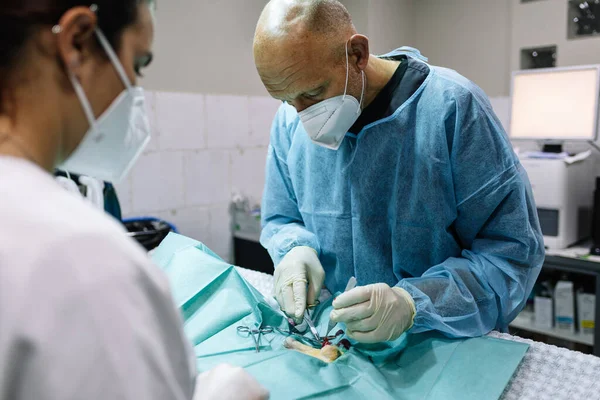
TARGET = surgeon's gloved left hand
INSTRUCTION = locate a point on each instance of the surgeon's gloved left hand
(375, 313)
(299, 278)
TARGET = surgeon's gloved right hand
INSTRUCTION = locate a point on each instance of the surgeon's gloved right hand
(226, 382)
(299, 278)
(375, 313)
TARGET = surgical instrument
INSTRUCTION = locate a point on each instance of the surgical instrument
(255, 333)
(311, 325)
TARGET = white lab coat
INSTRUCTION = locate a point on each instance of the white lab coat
(83, 313)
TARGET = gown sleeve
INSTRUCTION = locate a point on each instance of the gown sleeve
(282, 224)
(496, 224)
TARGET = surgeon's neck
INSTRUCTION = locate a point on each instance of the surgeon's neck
(378, 74)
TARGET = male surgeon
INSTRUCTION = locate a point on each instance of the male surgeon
(392, 171)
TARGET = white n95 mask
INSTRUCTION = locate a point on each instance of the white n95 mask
(114, 141)
(328, 121)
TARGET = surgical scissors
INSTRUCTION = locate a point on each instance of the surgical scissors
(255, 333)
(311, 325)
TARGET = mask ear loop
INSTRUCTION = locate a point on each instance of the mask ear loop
(362, 93)
(113, 57)
(347, 70)
(85, 104)
(120, 71)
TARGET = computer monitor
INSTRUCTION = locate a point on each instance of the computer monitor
(555, 104)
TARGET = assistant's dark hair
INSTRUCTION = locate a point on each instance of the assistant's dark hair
(20, 19)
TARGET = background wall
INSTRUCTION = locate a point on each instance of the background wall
(206, 46)
(359, 9)
(470, 36)
(482, 39)
(391, 24)
(544, 22)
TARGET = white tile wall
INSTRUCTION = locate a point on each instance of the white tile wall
(247, 179)
(262, 111)
(193, 222)
(220, 236)
(125, 193)
(227, 121)
(144, 185)
(157, 182)
(207, 177)
(180, 121)
(204, 148)
(151, 110)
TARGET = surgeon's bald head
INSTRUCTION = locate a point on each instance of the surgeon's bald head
(300, 49)
(285, 20)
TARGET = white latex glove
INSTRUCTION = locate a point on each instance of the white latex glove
(299, 278)
(375, 313)
(226, 382)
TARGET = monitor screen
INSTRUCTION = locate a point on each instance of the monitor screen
(555, 104)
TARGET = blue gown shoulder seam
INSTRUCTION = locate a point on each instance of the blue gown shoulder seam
(489, 182)
(277, 155)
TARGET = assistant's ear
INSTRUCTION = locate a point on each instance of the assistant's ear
(75, 36)
(359, 50)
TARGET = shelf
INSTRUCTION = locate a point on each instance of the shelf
(525, 321)
(579, 252)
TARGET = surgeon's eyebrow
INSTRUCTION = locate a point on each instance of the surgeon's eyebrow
(316, 91)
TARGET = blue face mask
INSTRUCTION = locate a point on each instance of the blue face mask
(117, 138)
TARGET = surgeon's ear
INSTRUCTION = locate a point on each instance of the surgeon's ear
(75, 37)
(359, 51)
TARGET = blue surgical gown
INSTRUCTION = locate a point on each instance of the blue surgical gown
(432, 199)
